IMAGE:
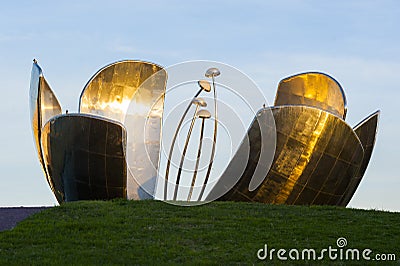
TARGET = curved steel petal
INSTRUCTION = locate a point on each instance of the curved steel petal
(366, 131)
(312, 89)
(43, 106)
(34, 107)
(110, 91)
(317, 155)
(85, 157)
(132, 92)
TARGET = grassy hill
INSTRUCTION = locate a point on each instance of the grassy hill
(152, 232)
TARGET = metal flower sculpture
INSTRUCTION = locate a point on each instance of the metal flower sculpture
(319, 158)
(83, 155)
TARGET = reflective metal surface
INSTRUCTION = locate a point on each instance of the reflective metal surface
(112, 148)
(143, 122)
(132, 92)
(200, 102)
(72, 155)
(316, 157)
(204, 86)
(312, 89)
(43, 106)
(178, 177)
(203, 115)
(85, 157)
(110, 91)
(366, 131)
(211, 72)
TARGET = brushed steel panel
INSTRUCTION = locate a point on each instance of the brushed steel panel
(110, 91)
(132, 92)
(366, 131)
(317, 155)
(43, 106)
(85, 157)
(312, 89)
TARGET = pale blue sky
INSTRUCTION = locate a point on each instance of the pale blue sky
(357, 42)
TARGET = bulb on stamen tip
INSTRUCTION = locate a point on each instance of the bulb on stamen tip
(199, 101)
(205, 85)
(212, 72)
(203, 113)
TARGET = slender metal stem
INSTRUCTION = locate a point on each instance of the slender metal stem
(214, 143)
(178, 177)
(197, 160)
(171, 149)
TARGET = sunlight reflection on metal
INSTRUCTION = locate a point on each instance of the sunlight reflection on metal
(43, 106)
(110, 91)
(317, 155)
(143, 122)
(205, 85)
(312, 89)
(84, 155)
(366, 131)
(319, 159)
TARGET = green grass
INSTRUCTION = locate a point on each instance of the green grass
(152, 232)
